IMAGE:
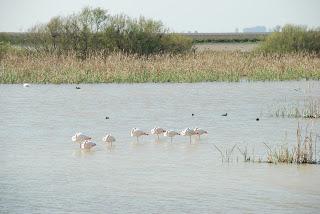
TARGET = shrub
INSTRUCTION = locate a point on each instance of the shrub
(292, 38)
(94, 30)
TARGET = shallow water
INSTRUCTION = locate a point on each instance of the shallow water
(42, 171)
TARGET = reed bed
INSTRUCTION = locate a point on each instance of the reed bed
(190, 67)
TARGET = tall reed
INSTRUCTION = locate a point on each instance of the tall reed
(303, 152)
(190, 67)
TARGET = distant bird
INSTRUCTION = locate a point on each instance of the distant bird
(80, 138)
(257, 119)
(200, 131)
(26, 85)
(192, 114)
(137, 133)
(188, 132)
(157, 131)
(226, 114)
(77, 87)
(109, 139)
(87, 144)
(171, 134)
(107, 118)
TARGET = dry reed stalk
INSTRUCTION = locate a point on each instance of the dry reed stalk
(118, 67)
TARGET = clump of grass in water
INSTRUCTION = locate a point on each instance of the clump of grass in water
(310, 109)
(304, 152)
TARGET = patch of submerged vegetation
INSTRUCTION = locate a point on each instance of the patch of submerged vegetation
(119, 67)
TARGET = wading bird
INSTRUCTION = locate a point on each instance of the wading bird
(137, 133)
(80, 138)
(109, 139)
(200, 131)
(188, 132)
(157, 131)
(87, 144)
(171, 134)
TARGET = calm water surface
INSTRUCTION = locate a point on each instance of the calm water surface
(42, 171)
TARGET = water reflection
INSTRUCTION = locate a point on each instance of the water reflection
(83, 152)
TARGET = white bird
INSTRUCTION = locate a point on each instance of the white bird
(171, 134)
(188, 132)
(80, 138)
(137, 133)
(200, 131)
(109, 139)
(87, 144)
(157, 131)
(26, 85)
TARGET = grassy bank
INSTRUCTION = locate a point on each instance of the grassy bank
(198, 67)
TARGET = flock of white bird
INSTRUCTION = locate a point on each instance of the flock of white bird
(85, 141)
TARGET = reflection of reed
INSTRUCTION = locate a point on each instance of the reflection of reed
(226, 155)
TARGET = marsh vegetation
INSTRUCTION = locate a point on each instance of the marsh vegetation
(93, 46)
(191, 67)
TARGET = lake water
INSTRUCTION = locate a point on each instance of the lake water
(43, 171)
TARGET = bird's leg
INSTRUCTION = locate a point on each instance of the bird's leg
(190, 139)
(158, 136)
(199, 136)
(137, 139)
(171, 139)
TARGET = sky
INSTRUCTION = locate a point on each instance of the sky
(211, 16)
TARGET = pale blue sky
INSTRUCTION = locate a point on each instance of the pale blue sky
(178, 15)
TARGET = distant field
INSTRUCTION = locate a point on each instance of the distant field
(227, 46)
(226, 37)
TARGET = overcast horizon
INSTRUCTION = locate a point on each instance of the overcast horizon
(180, 16)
